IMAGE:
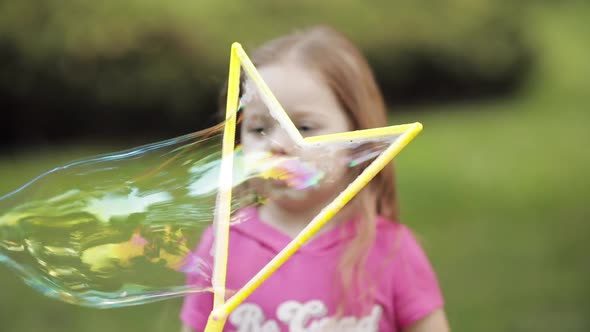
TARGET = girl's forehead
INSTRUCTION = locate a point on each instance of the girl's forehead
(297, 88)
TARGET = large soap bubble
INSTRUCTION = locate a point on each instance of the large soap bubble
(120, 229)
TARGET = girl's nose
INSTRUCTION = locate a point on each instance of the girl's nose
(280, 142)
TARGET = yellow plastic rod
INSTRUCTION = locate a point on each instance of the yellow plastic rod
(223, 203)
(318, 222)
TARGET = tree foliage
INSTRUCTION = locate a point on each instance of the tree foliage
(72, 68)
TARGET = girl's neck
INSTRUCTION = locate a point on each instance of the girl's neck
(293, 221)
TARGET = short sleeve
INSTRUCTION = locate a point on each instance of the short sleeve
(416, 288)
(196, 307)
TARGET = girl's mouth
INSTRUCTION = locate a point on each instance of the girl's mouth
(287, 172)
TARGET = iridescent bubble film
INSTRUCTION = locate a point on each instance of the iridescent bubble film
(121, 229)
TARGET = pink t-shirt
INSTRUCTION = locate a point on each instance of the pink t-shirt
(304, 294)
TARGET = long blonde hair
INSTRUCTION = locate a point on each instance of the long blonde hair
(345, 70)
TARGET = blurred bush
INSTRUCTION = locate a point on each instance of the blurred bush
(145, 67)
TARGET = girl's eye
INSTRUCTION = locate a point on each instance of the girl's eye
(305, 128)
(257, 130)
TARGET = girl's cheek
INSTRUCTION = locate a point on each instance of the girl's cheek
(333, 164)
(251, 145)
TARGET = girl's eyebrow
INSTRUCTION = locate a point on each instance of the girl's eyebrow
(259, 118)
(302, 113)
(256, 114)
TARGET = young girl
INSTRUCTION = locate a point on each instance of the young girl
(365, 271)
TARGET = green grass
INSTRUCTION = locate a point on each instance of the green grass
(499, 191)
(500, 200)
(496, 190)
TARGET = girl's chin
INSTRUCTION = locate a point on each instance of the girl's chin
(298, 200)
(285, 193)
(285, 196)
(293, 205)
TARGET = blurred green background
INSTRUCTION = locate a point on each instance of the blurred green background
(496, 185)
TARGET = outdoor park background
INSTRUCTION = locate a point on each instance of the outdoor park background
(496, 185)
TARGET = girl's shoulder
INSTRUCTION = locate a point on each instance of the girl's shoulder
(392, 234)
(408, 275)
(387, 227)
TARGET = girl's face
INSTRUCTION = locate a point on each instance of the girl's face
(314, 110)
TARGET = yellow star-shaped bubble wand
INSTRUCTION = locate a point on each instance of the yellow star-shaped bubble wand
(239, 59)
